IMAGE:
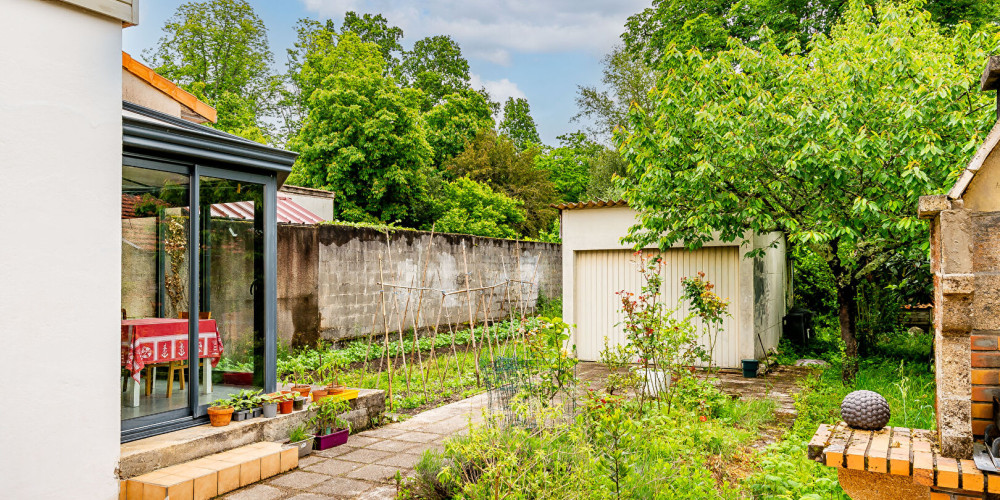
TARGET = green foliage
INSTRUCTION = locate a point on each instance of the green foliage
(569, 165)
(518, 125)
(468, 207)
(833, 149)
(455, 121)
(494, 160)
(626, 84)
(363, 138)
(436, 67)
(218, 51)
(300, 433)
(376, 29)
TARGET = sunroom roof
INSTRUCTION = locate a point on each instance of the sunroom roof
(144, 129)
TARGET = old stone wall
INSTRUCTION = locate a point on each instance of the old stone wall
(330, 280)
(965, 261)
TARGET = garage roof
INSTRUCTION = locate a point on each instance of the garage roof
(591, 204)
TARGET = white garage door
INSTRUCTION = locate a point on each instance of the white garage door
(602, 273)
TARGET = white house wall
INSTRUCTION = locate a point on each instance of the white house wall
(60, 156)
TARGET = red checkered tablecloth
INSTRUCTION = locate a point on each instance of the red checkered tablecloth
(161, 340)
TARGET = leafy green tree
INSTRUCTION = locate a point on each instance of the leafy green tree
(518, 125)
(605, 169)
(833, 148)
(314, 39)
(376, 29)
(494, 160)
(455, 121)
(436, 67)
(707, 24)
(569, 165)
(627, 81)
(218, 51)
(469, 207)
(363, 137)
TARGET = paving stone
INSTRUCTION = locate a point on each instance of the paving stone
(255, 492)
(335, 452)
(299, 480)
(418, 437)
(420, 448)
(361, 441)
(374, 473)
(365, 455)
(391, 445)
(309, 496)
(333, 467)
(342, 487)
(307, 461)
(382, 432)
(404, 460)
(380, 493)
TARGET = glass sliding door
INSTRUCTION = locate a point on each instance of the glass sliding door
(232, 230)
(198, 293)
(155, 291)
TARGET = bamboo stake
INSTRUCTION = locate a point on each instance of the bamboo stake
(416, 316)
(385, 323)
(472, 321)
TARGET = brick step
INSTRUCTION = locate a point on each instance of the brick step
(213, 475)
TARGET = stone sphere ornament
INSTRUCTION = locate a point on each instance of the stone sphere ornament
(865, 410)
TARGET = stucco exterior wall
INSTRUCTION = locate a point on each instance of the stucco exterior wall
(595, 229)
(60, 151)
(983, 193)
(140, 92)
(329, 275)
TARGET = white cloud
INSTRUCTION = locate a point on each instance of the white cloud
(491, 30)
(499, 90)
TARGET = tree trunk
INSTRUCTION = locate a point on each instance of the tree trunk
(848, 306)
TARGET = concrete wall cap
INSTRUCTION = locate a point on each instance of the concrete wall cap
(931, 205)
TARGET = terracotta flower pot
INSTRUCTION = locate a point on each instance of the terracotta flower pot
(285, 406)
(220, 417)
(335, 389)
(318, 394)
(302, 389)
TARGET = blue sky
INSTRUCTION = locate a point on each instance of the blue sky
(537, 49)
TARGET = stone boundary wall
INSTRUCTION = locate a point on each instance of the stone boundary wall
(329, 280)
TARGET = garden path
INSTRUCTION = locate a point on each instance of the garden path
(366, 466)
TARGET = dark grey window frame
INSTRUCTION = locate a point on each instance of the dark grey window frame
(175, 145)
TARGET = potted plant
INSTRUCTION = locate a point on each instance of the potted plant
(299, 403)
(270, 407)
(301, 383)
(301, 439)
(330, 375)
(234, 373)
(284, 400)
(241, 410)
(331, 429)
(220, 413)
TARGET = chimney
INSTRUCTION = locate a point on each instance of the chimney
(991, 79)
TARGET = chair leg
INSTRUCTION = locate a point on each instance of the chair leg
(150, 375)
(181, 370)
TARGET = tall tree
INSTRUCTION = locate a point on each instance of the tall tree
(376, 29)
(707, 24)
(455, 121)
(833, 148)
(469, 207)
(314, 39)
(436, 67)
(627, 81)
(218, 51)
(494, 160)
(363, 137)
(518, 125)
(569, 165)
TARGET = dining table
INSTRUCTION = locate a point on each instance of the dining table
(158, 341)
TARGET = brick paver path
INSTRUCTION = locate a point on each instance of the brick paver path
(366, 466)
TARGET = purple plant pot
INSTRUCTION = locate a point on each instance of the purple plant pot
(335, 438)
(237, 378)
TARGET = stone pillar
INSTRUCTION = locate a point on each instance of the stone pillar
(951, 265)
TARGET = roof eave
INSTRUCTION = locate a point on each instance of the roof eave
(958, 190)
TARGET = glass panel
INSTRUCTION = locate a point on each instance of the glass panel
(154, 292)
(231, 274)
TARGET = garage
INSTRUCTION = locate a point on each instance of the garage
(596, 265)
